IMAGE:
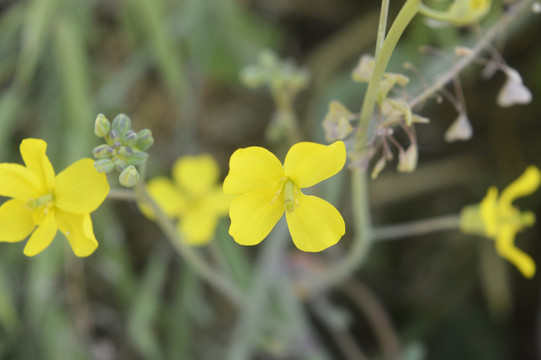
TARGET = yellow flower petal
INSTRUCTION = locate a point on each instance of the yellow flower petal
(80, 188)
(33, 153)
(42, 236)
(526, 184)
(15, 221)
(254, 214)
(18, 182)
(196, 174)
(314, 224)
(218, 202)
(489, 211)
(198, 226)
(164, 192)
(79, 232)
(309, 163)
(252, 168)
(507, 249)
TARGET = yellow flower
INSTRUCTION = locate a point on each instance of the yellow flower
(267, 190)
(499, 219)
(43, 203)
(460, 12)
(194, 197)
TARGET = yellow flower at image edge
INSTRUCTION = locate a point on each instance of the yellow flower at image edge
(497, 218)
(43, 203)
(267, 190)
(194, 197)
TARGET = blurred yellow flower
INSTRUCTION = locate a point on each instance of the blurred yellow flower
(267, 190)
(499, 219)
(41, 199)
(460, 12)
(194, 197)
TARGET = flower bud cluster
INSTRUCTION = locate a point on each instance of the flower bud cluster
(123, 150)
(281, 77)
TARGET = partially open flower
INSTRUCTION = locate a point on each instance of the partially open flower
(337, 122)
(513, 91)
(497, 218)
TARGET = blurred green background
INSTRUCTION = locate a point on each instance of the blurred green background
(172, 66)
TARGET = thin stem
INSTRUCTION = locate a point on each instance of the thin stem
(382, 27)
(376, 315)
(122, 194)
(268, 267)
(415, 228)
(404, 17)
(206, 272)
(482, 45)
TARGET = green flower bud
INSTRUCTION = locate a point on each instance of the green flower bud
(101, 126)
(268, 59)
(137, 158)
(101, 152)
(129, 176)
(104, 165)
(130, 138)
(114, 135)
(144, 140)
(252, 77)
(125, 151)
(122, 124)
(120, 165)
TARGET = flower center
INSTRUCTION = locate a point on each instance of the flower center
(40, 206)
(290, 190)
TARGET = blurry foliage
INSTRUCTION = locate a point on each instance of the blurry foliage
(173, 67)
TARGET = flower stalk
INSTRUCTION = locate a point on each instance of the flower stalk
(404, 17)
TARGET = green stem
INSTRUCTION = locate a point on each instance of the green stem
(122, 194)
(382, 27)
(406, 14)
(415, 228)
(434, 14)
(248, 325)
(200, 267)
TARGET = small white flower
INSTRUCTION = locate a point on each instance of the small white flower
(460, 129)
(513, 91)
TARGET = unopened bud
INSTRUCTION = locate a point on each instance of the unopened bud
(144, 140)
(407, 160)
(114, 135)
(252, 77)
(104, 165)
(101, 126)
(101, 151)
(129, 176)
(130, 138)
(137, 158)
(120, 165)
(268, 58)
(380, 165)
(121, 123)
(125, 151)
